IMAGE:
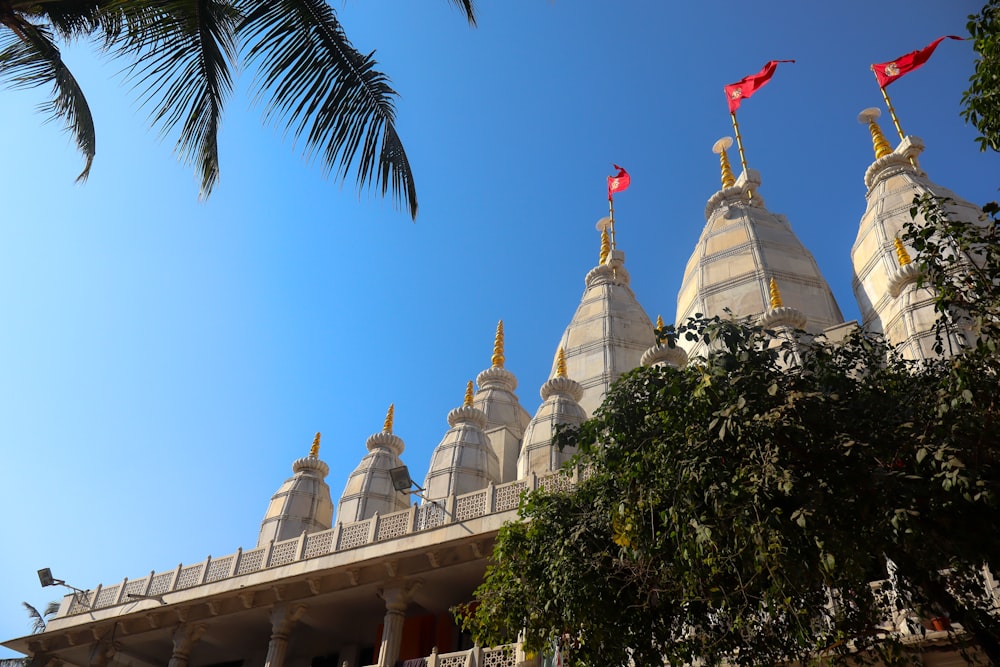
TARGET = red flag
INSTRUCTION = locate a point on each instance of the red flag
(618, 182)
(748, 85)
(888, 72)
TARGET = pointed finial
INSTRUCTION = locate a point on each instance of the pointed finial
(901, 254)
(560, 363)
(498, 357)
(387, 426)
(775, 295)
(314, 450)
(659, 322)
(468, 395)
(720, 147)
(605, 246)
(879, 143)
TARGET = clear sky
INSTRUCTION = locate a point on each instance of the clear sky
(163, 361)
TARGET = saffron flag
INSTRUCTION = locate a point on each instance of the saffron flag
(618, 182)
(748, 85)
(888, 72)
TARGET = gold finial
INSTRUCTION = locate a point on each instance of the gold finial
(720, 147)
(468, 395)
(387, 426)
(560, 363)
(901, 254)
(659, 322)
(775, 295)
(605, 245)
(314, 450)
(879, 143)
(498, 357)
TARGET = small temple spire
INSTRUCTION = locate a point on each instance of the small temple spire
(901, 254)
(498, 357)
(560, 363)
(314, 450)
(775, 295)
(605, 245)
(879, 143)
(468, 395)
(387, 426)
(720, 147)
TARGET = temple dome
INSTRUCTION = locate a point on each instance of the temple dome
(302, 504)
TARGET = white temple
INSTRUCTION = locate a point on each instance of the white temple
(373, 582)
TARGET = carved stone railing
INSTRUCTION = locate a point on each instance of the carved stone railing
(507, 655)
(494, 499)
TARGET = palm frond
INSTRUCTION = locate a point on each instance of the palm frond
(29, 58)
(38, 622)
(467, 6)
(69, 19)
(184, 50)
(323, 90)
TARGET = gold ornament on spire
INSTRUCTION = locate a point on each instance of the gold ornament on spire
(775, 295)
(605, 246)
(468, 395)
(314, 450)
(498, 357)
(901, 254)
(879, 143)
(720, 147)
(659, 322)
(560, 363)
(387, 426)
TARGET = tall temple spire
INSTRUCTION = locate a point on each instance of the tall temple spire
(369, 487)
(879, 143)
(741, 246)
(387, 425)
(498, 357)
(302, 503)
(889, 297)
(720, 147)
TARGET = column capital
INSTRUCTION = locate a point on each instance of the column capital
(284, 617)
(397, 596)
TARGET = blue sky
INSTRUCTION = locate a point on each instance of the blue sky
(164, 360)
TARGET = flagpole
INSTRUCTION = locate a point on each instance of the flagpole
(888, 103)
(739, 145)
(611, 216)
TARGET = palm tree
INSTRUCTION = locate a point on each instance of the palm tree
(183, 56)
(39, 621)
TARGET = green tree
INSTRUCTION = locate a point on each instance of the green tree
(736, 510)
(982, 99)
(182, 58)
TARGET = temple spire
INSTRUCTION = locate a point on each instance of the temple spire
(498, 357)
(720, 147)
(560, 363)
(314, 450)
(901, 254)
(776, 301)
(468, 395)
(387, 426)
(879, 143)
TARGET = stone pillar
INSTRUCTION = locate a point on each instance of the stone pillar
(185, 637)
(397, 599)
(283, 618)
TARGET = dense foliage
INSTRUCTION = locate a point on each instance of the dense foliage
(736, 510)
(183, 56)
(982, 100)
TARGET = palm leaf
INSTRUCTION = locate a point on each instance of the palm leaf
(467, 6)
(29, 58)
(38, 622)
(323, 90)
(183, 50)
